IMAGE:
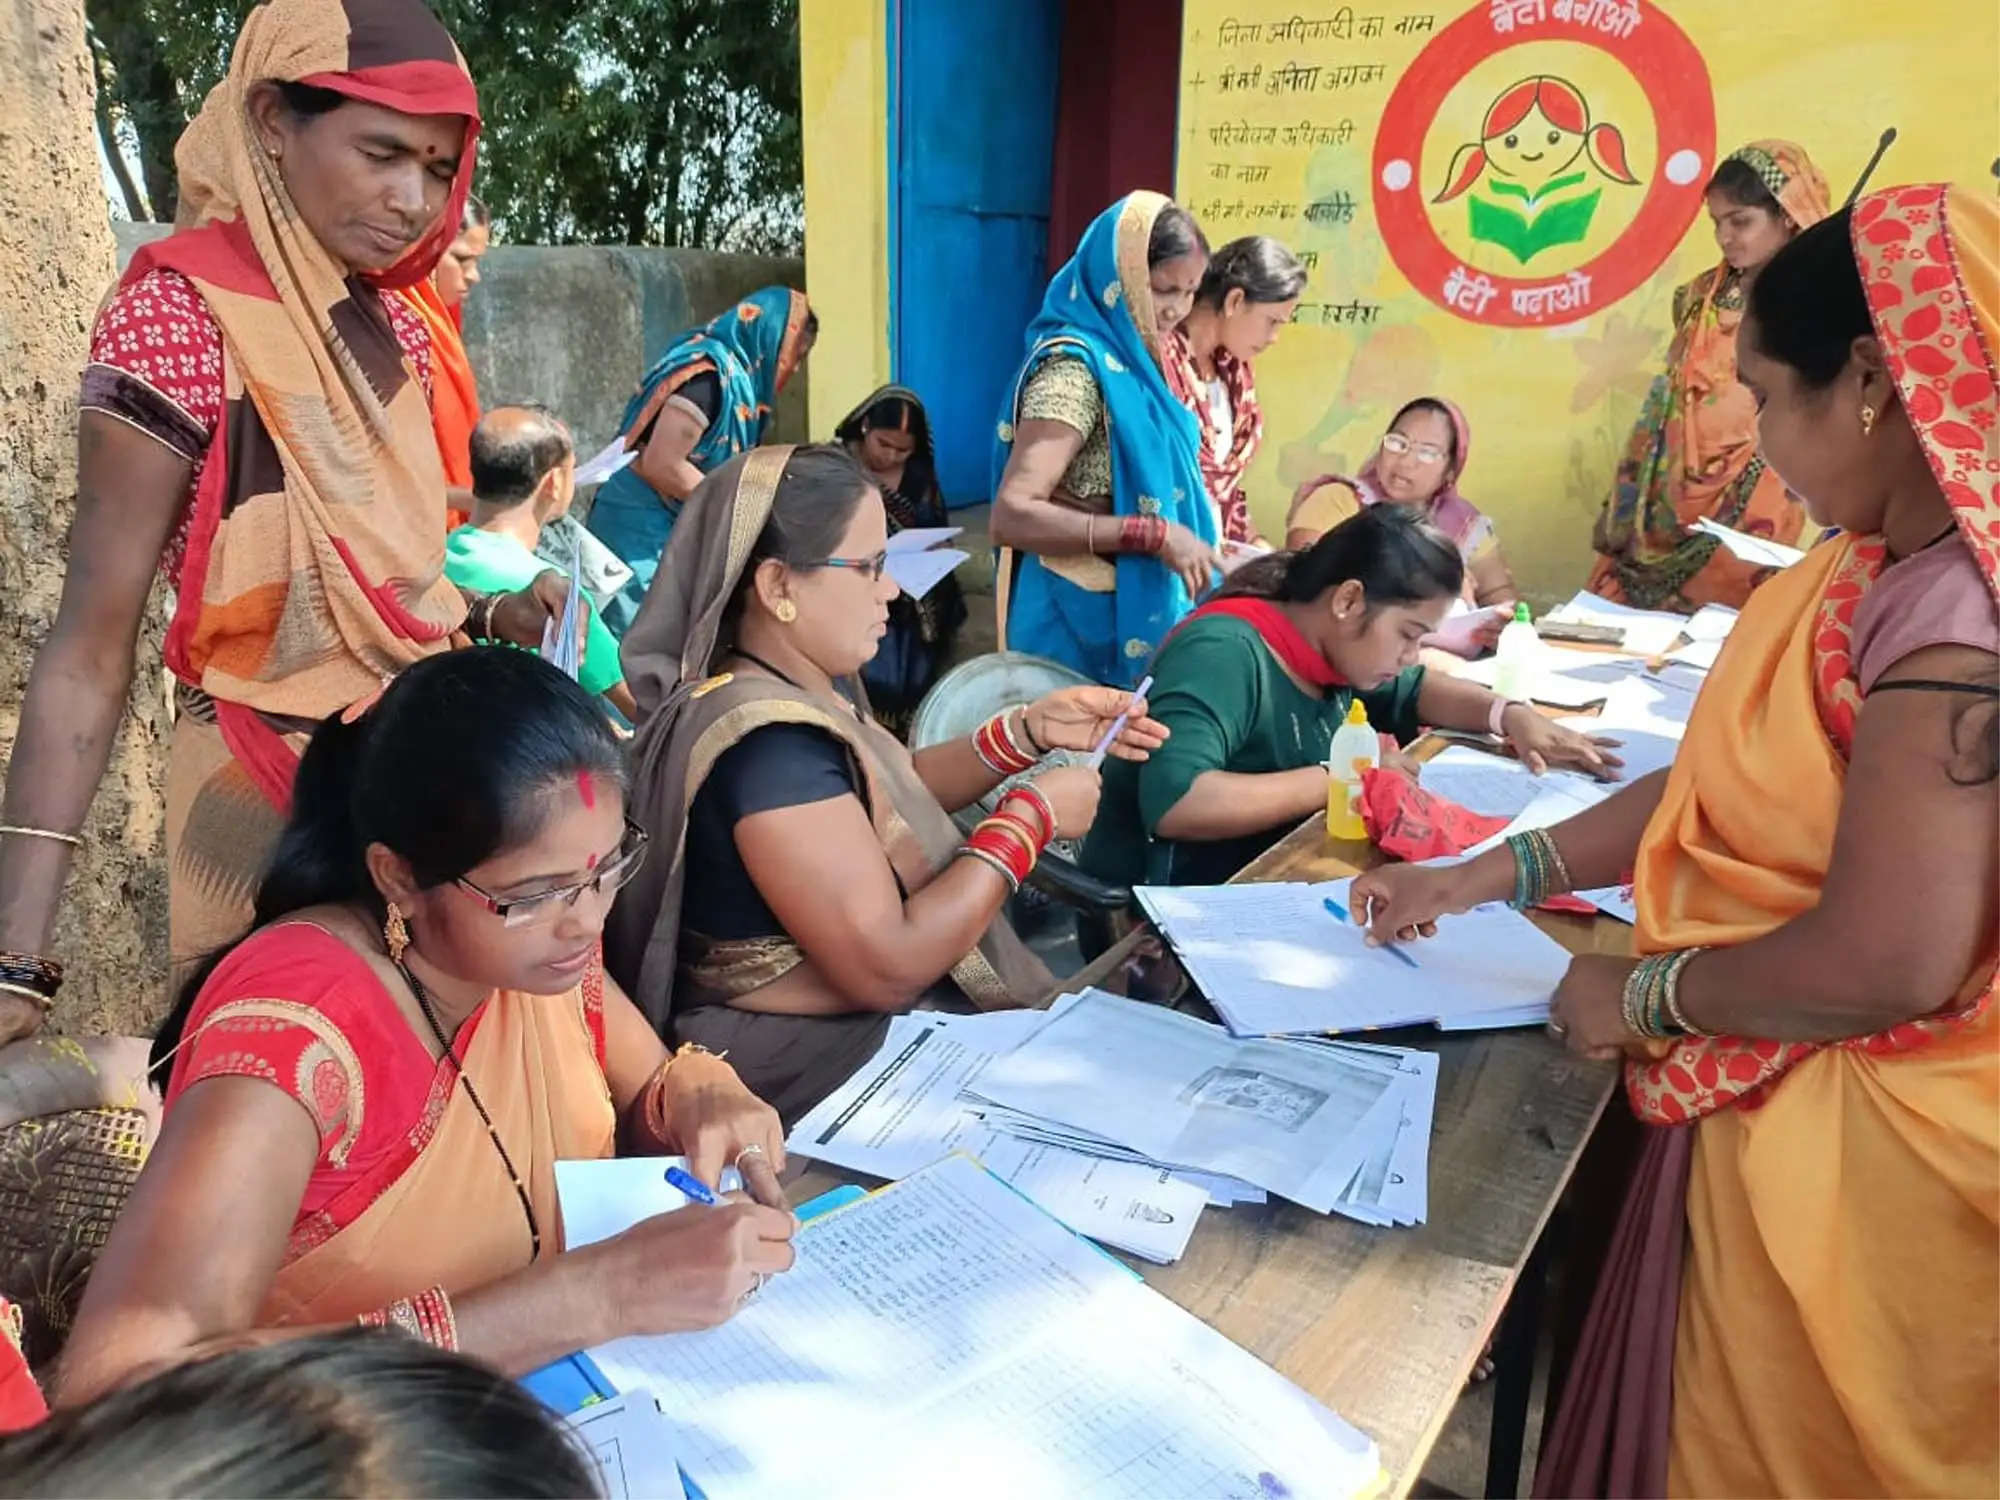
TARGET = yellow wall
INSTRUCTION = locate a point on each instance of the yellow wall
(844, 114)
(1550, 406)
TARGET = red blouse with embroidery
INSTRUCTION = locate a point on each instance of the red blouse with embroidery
(156, 364)
(296, 1007)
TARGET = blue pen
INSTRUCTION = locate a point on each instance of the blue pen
(1389, 948)
(691, 1187)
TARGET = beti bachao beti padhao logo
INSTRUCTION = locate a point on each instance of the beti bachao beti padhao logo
(1540, 159)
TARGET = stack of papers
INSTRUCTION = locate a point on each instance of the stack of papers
(1648, 632)
(945, 1336)
(1276, 959)
(632, 1442)
(919, 560)
(1327, 1125)
(903, 1110)
(1565, 676)
(562, 639)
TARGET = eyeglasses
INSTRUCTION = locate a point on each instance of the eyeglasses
(1426, 453)
(544, 906)
(873, 567)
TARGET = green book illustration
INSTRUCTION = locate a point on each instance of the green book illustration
(1564, 222)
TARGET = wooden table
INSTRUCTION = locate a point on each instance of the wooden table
(1385, 1325)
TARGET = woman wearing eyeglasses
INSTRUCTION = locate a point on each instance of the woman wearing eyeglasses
(811, 882)
(366, 1097)
(1417, 466)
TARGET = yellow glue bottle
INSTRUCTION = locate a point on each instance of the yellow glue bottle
(1355, 749)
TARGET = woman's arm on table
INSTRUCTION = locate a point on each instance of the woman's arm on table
(130, 490)
(191, 1260)
(1542, 744)
(1598, 846)
(1907, 907)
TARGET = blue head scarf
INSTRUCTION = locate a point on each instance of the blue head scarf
(1099, 308)
(752, 348)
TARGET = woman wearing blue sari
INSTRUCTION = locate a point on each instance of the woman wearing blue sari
(1099, 499)
(707, 399)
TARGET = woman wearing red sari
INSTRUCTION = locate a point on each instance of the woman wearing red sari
(1802, 1296)
(256, 425)
(440, 301)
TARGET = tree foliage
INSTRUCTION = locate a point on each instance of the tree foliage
(611, 121)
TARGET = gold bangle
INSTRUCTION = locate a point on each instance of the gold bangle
(46, 1004)
(74, 840)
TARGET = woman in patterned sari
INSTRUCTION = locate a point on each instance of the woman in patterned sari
(1801, 1297)
(367, 1096)
(1100, 507)
(1693, 453)
(707, 399)
(255, 424)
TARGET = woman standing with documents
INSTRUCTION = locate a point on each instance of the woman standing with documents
(1253, 685)
(1802, 1294)
(810, 880)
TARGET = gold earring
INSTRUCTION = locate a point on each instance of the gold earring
(395, 933)
(786, 611)
(1867, 420)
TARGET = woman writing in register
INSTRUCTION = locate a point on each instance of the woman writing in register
(367, 1095)
(810, 881)
(1253, 685)
(1802, 1298)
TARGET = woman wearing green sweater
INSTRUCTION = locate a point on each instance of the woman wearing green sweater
(1254, 683)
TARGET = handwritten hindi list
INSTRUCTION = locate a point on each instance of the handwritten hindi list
(1277, 114)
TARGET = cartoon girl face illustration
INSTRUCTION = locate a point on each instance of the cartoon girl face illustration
(1531, 143)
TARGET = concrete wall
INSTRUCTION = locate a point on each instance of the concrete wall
(576, 326)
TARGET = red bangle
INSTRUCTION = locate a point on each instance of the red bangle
(1146, 535)
(1029, 835)
(996, 749)
(1029, 793)
(1007, 843)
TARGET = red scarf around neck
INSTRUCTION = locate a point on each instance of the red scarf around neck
(1287, 642)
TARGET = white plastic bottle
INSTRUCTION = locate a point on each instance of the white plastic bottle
(1355, 749)
(1518, 657)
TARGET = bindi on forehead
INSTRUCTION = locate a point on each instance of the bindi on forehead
(586, 789)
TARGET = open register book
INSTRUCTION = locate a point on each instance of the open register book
(947, 1337)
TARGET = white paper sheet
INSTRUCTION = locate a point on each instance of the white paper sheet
(1460, 627)
(1712, 622)
(562, 638)
(901, 1111)
(917, 573)
(607, 1197)
(947, 1337)
(633, 1444)
(1185, 1092)
(1496, 785)
(607, 461)
(1761, 551)
(1648, 632)
(1285, 964)
(1565, 677)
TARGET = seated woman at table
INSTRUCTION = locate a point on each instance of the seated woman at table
(1107, 531)
(1802, 1299)
(1417, 465)
(366, 1097)
(811, 882)
(1253, 685)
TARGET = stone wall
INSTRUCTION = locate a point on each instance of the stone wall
(575, 326)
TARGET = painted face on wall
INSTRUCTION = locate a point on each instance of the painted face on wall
(1534, 150)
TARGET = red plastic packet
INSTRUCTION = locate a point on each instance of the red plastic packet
(1410, 822)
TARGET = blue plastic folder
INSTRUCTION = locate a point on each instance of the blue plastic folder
(574, 1382)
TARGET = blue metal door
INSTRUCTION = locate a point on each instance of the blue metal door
(972, 143)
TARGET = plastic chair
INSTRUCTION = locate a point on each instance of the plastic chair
(963, 699)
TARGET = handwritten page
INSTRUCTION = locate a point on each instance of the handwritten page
(633, 1445)
(945, 1336)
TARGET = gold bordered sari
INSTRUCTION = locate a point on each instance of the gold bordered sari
(687, 983)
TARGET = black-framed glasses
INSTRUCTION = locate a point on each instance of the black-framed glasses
(544, 906)
(871, 567)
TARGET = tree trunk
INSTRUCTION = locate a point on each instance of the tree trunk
(56, 262)
(151, 101)
(107, 140)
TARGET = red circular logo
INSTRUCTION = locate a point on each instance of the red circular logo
(1544, 111)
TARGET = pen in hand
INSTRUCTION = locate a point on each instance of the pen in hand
(690, 1187)
(1389, 948)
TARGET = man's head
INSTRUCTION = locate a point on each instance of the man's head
(523, 455)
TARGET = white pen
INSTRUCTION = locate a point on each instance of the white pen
(1118, 724)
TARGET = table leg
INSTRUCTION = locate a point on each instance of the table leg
(1514, 1375)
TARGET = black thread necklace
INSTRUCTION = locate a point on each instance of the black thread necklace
(757, 661)
(458, 1066)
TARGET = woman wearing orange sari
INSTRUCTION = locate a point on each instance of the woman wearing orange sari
(1803, 1295)
(367, 1096)
(1693, 453)
(440, 301)
(256, 426)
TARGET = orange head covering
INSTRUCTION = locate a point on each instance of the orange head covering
(1785, 169)
(1927, 254)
